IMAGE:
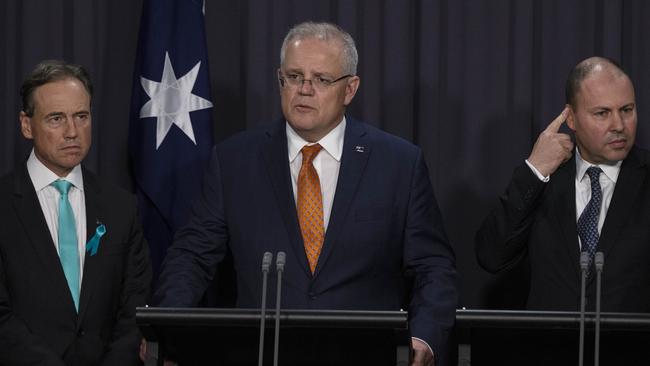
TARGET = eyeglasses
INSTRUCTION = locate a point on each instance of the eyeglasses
(298, 80)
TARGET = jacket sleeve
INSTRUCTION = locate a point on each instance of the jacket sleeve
(18, 345)
(502, 239)
(125, 341)
(191, 261)
(430, 264)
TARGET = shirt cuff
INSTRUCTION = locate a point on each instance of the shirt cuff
(537, 173)
(422, 340)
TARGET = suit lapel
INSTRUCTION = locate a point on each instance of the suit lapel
(276, 157)
(92, 194)
(29, 210)
(356, 151)
(31, 215)
(566, 211)
(628, 185)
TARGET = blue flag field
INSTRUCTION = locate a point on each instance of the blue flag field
(170, 130)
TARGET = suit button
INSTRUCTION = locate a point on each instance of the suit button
(312, 296)
(82, 333)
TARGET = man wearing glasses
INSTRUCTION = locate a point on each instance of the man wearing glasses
(351, 206)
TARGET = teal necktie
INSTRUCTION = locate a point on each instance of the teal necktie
(68, 247)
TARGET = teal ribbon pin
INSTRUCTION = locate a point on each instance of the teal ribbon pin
(93, 243)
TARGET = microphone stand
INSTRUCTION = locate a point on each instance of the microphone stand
(266, 264)
(584, 266)
(279, 265)
(599, 262)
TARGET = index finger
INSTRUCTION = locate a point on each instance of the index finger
(555, 125)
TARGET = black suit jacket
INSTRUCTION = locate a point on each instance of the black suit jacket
(537, 221)
(38, 321)
(385, 247)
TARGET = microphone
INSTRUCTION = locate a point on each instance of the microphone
(599, 262)
(280, 260)
(584, 267)
(266, 264)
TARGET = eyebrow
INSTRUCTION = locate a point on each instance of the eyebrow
(54, 114)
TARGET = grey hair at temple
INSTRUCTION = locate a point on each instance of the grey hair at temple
(326, 32)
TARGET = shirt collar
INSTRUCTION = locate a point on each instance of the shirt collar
(42, 177)
(611, 171)
(332, 142)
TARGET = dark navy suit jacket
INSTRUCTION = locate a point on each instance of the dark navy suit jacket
(385, 247)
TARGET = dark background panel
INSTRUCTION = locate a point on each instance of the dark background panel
(472, 82)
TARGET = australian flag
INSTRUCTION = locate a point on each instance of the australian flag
(170, 132)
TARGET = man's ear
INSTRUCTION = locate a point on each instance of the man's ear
(26, 125)
(351, 89)
(570, 119)
(280, 82)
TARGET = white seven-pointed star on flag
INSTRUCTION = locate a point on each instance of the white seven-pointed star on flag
(172, 101)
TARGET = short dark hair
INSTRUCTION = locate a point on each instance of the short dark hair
(47, 72)
(583, 69)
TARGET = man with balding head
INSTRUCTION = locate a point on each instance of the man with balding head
(539, 216)
(591, 197)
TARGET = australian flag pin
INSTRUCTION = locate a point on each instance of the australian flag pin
(359, 149)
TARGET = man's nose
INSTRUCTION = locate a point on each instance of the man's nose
(70, 128)
(306, 87)
(617, 123)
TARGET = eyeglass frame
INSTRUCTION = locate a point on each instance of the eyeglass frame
(319, 85)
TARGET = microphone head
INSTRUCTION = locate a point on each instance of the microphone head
(266, 261)
(280, 260)
(584, 260)
(599, 261)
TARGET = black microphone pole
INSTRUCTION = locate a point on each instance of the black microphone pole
(279, 265)
(266, 264)
(584, 266)
(599, 262)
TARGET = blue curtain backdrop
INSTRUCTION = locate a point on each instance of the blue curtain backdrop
(472, 82)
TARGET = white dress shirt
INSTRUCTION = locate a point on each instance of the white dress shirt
(327, 163)
(583, 186)
(48, 197)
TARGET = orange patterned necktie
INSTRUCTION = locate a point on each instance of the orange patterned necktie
(310, 206)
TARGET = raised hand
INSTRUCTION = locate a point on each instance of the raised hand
(552, 148)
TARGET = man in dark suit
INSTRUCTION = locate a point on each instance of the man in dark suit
(595, 197)
(359, 221)
(73, 262)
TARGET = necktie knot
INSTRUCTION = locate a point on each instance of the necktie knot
(594, 175)
(63, 186)
(309, 152)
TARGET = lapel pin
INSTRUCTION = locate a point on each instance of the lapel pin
(93, 244)
(359, 149)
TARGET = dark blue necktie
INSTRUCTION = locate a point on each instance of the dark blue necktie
(68, 247)
(588, 221)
